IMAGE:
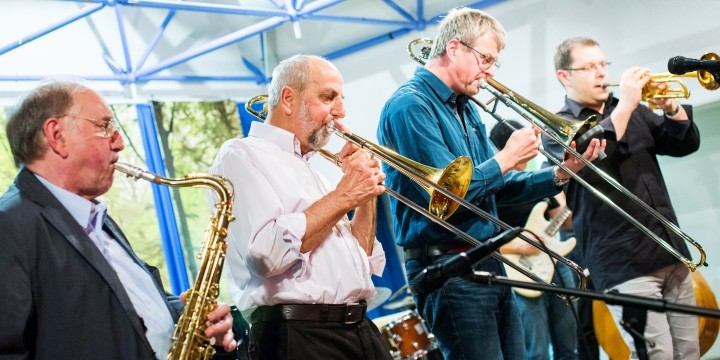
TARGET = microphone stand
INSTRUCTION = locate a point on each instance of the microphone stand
(634, 307)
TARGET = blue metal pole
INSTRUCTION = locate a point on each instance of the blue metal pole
(359, 20)
(86, 11)
(42, 77)
(318, 5)
(170, 236)
(245, 118)
(277, 4)
(261, 78)
(420, 10)
(299, 4)
(204, 7)
(123, 39)
(215, 44)
(192, 78)
(156, 38)
(400, 10)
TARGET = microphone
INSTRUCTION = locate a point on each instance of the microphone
(679, 65)
(434, 276)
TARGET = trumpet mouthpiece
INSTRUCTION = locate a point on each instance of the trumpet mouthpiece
(606, 85)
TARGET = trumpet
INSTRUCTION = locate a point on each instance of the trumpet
(651, 91)
(555, 131)
(448, 193)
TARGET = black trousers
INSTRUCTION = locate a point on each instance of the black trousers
(289, 339)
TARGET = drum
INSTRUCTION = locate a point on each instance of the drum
(407, 335)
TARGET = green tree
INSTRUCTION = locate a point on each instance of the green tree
(7, 165)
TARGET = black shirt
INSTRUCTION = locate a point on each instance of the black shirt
(614, 250)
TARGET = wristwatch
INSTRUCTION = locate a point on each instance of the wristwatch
(558, 182)
(674, 112)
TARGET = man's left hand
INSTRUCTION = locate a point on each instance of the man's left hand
(574, 164)
(664, 104)
(220, 326)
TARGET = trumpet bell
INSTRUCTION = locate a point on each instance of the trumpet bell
(706, 78)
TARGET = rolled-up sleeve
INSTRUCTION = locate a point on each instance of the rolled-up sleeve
(267, 238)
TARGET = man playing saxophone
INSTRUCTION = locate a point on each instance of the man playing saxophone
(300, 270)
(73, 287)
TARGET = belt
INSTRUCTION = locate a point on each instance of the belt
(346, 313)
(428, 251)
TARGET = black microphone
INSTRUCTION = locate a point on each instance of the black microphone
(679, 65)
(434, 276)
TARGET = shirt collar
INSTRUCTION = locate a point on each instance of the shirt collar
(576, 109)
(441, 90)
(284, 139)
(78, 206)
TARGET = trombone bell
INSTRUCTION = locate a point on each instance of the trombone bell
(262, 114)
(455, 177)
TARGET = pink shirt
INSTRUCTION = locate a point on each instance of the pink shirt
(274, 185)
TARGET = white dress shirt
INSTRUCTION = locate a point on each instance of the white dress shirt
(138, 284)
(274, 184)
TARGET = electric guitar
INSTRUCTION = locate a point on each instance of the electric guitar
(541, 264)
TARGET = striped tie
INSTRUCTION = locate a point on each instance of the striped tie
(95, 235)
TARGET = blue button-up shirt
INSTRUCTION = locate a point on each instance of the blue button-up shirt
(420, 122)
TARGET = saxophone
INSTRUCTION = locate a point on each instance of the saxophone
(189, 340)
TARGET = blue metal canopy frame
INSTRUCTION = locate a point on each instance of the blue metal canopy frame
(287, 11)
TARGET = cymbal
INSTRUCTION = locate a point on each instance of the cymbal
(381, 297)
(406, 302)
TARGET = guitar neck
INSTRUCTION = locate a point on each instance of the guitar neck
(555, 224)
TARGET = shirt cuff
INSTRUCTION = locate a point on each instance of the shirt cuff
(490, 175)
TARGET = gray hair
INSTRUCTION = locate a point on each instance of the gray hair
(25, 125)
(563, 53)
(466, 25)
(293, 72)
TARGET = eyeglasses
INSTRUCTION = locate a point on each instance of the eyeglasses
(108, 126)
(485, 59)
(592, 67)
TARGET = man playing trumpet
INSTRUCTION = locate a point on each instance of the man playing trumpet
(618, 255)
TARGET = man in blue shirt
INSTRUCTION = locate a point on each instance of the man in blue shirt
(426, 120)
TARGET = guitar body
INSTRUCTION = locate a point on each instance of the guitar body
(541, 264)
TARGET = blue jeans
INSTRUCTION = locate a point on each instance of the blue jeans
(471, 321)
(548, 319)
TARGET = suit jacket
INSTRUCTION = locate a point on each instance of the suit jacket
(61, 299)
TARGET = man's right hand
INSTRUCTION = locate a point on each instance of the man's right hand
(362, 177)
(520, 148)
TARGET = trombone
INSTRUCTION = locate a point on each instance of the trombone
(563, 133)
(451, 191)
